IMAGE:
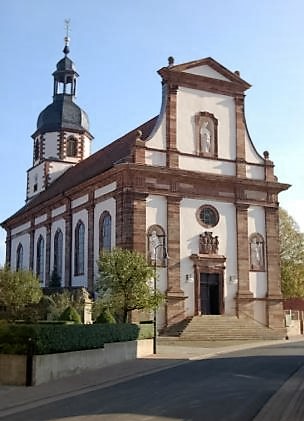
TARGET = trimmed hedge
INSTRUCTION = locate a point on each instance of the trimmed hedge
(54, 338)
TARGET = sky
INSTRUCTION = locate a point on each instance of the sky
(119, 45)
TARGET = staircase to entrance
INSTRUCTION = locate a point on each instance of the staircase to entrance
(227, 328)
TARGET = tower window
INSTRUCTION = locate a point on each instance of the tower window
(35, 186)
(72, 146)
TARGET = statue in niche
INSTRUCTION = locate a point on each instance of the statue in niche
(205, 137)
(208, 244)
(256, 253)
(153, 245)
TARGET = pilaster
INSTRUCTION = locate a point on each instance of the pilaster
(32, 239)
(171, 110)
(240, 137)
(68, 246)
(244, 297)
(48, 254)
(90, 209)
(275, 312)
(8, 253)
(175, 311)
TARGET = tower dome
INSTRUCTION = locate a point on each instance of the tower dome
(63, 113)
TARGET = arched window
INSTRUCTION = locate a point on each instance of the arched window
(105, 228)
(58, 253)
(256, 251)
(19, 257)
(79, 249)
(72, 146)
(156, 239)
(40, 258)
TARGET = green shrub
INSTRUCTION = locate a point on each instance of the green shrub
(105, 317)
(48, 338)
(70, 314)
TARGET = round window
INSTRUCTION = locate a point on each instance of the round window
(207, 216)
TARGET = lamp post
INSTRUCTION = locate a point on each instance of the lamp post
(165, 256)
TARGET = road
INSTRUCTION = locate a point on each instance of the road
(228, 387)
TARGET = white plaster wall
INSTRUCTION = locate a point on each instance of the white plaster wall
(50, 145)
(38, 232)
(250, 151)
(206, 165)
(110, 206)
(21, 228)
(60, 224)
(39, 171)
(189, 103)
(23, 239)
(189, 244)
(254, 172)
(58, 211)
(86, 147)
(40, 219)
(156, 158)
(80, 280)
(256, 224)
(57, 168)
(156, 213)
(157, 138)
(105, 189)
(79, 201)
(206, 71)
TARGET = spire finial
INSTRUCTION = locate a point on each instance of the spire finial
(66, 49)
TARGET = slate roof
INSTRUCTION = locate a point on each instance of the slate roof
(95, 164)
(63, 113)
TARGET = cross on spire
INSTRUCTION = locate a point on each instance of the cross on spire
(66, 49)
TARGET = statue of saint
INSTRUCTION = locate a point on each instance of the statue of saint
(153, 243)
(205, 138)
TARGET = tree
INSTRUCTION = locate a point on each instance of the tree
(123, 284)
(292, 256)
(18, 291)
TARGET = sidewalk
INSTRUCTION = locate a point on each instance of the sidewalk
(170, 353)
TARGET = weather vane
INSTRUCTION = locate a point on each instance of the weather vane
(66, 49)
(67, 27)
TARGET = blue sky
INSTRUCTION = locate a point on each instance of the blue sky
(119, 45)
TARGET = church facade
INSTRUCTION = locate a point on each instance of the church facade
(187, 188)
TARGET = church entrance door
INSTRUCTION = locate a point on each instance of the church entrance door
(210, 293)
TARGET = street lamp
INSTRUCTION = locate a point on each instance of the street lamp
(165, 256)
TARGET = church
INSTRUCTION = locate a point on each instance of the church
(187, 188)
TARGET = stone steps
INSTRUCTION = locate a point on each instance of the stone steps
(227, 328)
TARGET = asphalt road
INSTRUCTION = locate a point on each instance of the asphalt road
(233, 386)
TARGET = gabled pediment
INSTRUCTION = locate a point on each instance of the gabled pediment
(203, 70)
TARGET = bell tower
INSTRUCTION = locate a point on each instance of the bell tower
(62, 137)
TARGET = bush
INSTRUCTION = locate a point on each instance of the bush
(145, 330)
(70, 314)
(54, 338)
(105, 317)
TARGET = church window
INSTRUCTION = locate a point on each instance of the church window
(256, 252)
(105, 228)
(72, 146)
(156, 239)
(206, 134)
(58, 253)
(19, 257)
(40, 258)
(79, 249)
(207, 216)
